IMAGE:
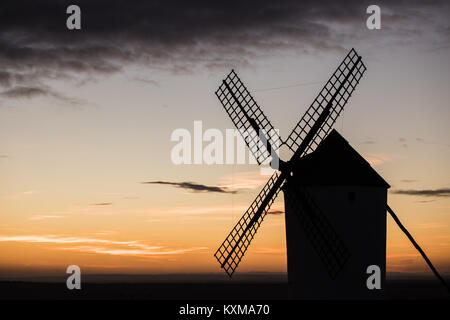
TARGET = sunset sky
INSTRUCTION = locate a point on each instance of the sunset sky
(86, 118)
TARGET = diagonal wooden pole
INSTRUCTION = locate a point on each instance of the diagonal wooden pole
(416, 245)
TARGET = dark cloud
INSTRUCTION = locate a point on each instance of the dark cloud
(102, 204)
(444, 192)
(421, 140)
(275, 212)
(408, 180)
(179, 36)
(29, 92)
(24, 92)
(425, 201)
(193, 186)
(403, 141)
(148, 81)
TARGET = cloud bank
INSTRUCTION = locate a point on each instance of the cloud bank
(36, 48)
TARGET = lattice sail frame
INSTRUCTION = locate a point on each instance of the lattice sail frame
(323, 98)
(326, 242)
(241, 232)
(239, 95)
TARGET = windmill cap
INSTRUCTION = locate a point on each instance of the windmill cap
(335, 162)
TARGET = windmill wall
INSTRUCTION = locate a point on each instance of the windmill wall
(353, 196)
(358, 214)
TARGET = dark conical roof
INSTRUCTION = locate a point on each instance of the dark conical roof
(335, 162)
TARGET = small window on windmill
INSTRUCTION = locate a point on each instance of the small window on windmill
(352, 197)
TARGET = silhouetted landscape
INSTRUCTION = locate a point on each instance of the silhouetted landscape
(249, 286)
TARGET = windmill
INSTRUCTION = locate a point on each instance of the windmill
(312, 128)
(263, 141)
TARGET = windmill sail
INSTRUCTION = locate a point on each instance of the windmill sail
(232, 250)
(259, 134)
(336, 91)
